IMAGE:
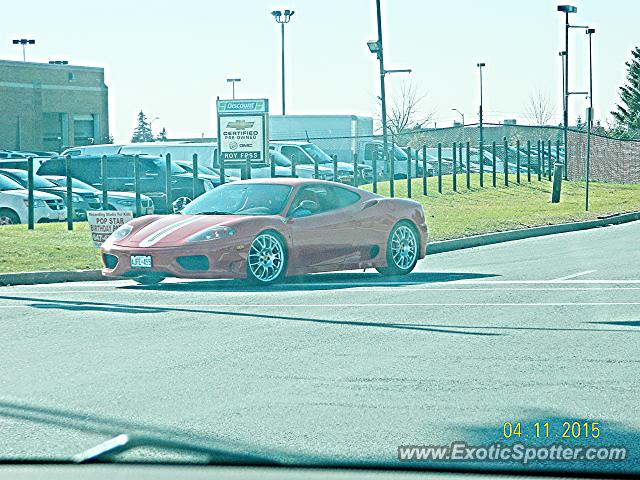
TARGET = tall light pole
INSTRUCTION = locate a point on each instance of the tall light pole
(481, 150)
(590, 32)
(151, 127)
(566, 9)
(233, 81)
(282, 18)
(461, 114)
(375, 46)
(23, 42)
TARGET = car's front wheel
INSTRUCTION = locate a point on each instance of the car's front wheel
(403, 245)
(267, 259)
(8, 217)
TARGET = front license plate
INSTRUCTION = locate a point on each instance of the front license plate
(140, 261)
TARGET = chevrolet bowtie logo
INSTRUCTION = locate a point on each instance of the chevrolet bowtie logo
(240, 124)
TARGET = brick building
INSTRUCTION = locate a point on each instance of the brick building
(50, 107)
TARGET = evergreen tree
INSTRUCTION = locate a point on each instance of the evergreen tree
(627, 113)
(142, 132)
(162, 136)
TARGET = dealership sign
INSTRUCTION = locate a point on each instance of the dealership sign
(243, 131)
(104, 223)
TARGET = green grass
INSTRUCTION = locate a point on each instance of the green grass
(449, 215)
(475, 211)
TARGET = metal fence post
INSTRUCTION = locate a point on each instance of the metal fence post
(468, 162)
(223, 176)
(529, 161)
(194, 167)
(136, 183)
(518, 161)
(30, 216)
(481, 161)
(417, 163)
(493, 151)
(316, 174)
(558, 156)
(334, 157)
(460, 160)
(69, 193)
(539, 162)
(247, 167)
(293, 165)
(355, 169)
(167, 182)
(439, 168)
(505, 163)
(549, 152)
(103, 178)
(424, 169)
(454, 169)
(392, 174)
(272, 166)
(409, 172)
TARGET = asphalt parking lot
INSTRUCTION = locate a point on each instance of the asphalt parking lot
(346, 365)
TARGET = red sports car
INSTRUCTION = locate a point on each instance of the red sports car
(266, 229)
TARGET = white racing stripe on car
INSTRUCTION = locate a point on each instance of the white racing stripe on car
(166, 231)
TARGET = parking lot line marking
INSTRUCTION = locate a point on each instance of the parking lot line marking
(575, 275)
(52, 303)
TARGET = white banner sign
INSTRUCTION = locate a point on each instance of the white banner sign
(104, 223)
(242, 138)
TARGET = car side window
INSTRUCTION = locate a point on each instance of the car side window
(340, 197)
(295, 155)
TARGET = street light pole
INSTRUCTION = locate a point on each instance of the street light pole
(282, 18)
(481, 151)
(233, 81)
(590, 32)
(567, 9)
(383, 99)
(151, 127)
(461, 114)
(23, 42)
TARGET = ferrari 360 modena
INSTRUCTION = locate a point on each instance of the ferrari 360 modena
(264, 230)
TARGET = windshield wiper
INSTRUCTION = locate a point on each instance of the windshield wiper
(106, 451)
(215, 212)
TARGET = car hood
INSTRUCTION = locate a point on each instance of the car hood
(174, 230)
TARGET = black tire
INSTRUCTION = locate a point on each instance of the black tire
(150, 279)
(262, 270)
(8, 217)
(400, 264)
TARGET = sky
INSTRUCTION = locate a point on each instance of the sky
(171, 59)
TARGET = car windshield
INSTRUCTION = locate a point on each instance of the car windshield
(22, 177)
(241, 199)
(317, 154)
(8, 184)
(75, 183)
(281, 160)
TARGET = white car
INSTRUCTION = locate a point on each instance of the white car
(14, 204)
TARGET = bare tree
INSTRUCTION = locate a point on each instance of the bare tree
(540, 109)
(403, 113)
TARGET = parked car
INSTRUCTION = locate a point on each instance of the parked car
(202, 170)
(116, 200)
(14, 204)
(82, 199)
(266, 229)
(306, 153)
(120, 177)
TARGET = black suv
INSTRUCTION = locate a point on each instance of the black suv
(120, 177)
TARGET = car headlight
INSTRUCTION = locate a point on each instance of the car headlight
(75, 197)
(120, 233)
(208, 185)
(211, 233)
(125, 203)
(36, 203)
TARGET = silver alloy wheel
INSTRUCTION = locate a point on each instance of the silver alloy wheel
(404, 247)
(5, 220)
(179, 203)
(266, 257)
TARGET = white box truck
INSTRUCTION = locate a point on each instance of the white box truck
(341, 135)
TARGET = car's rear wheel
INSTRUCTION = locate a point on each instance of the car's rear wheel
(403, 245)
(267, 259)
(8, 217)
(149, 279)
